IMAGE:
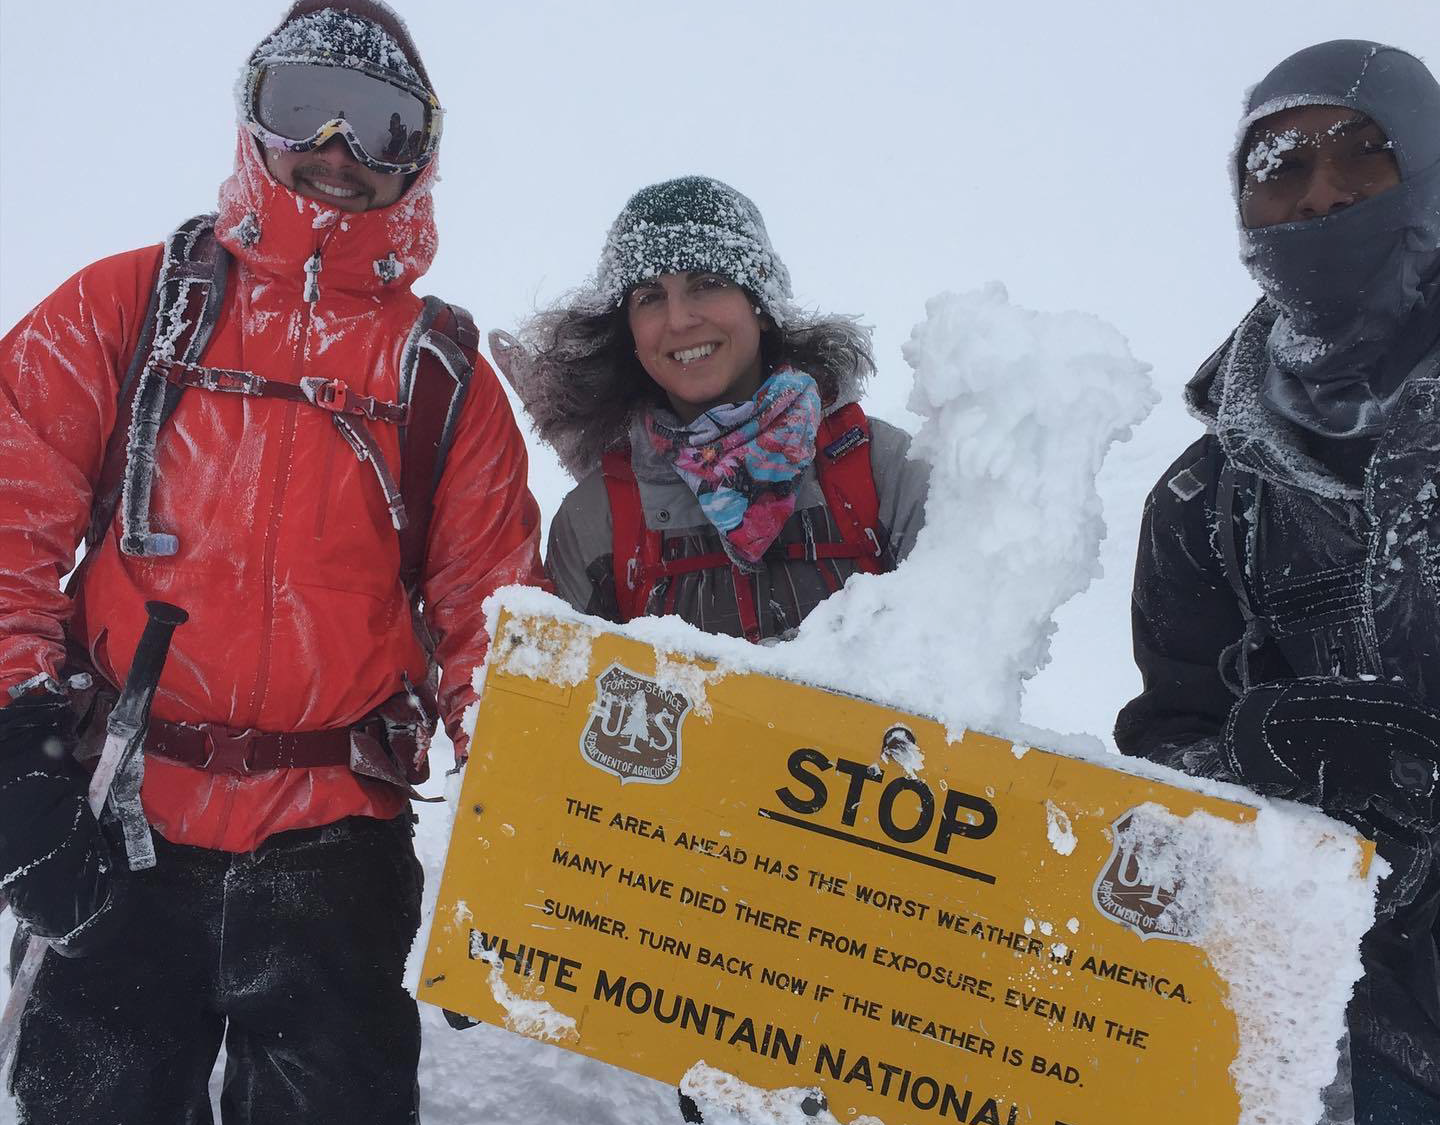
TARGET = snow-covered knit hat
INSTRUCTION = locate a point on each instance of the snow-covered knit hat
(356, 33)
(693, 223)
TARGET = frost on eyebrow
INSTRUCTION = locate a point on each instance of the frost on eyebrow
(1346, 124)
(1264, 156)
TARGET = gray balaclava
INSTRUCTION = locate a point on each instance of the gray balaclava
(693, 223)
(1358, 290)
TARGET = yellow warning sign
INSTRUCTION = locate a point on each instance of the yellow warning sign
(652, 871)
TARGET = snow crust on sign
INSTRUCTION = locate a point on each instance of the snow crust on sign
(1019, 409)
(901, 748)
(725, 1100)
(559, 656)
(525, 1014)
(1239, 890)
(1058, 830)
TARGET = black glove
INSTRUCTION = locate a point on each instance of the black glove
(1364, 751)
(55, 865)
(1362, 747)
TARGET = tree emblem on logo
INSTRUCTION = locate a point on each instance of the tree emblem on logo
(634, 727)
(1122, 894)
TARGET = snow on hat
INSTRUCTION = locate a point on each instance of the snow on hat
(354, 33)
(693, 223)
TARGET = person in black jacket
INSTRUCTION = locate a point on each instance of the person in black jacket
(1286, 607)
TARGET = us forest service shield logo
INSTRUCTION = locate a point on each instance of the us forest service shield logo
(1120, 893)
(634, 727)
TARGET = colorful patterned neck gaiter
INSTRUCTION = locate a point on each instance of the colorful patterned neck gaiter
(743, 460)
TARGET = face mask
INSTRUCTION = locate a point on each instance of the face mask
(1358, 291)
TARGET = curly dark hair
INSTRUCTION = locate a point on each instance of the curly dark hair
(574, 369)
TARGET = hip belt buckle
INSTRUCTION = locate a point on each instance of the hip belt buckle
(227, 751)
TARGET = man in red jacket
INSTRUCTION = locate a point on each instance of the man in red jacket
(285, 727)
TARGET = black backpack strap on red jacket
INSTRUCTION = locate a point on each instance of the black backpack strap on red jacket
(189, 294)
(435, 372)
(436, 369)
(185, 304)
(186, 298)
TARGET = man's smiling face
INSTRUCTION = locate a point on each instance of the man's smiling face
(330, 174)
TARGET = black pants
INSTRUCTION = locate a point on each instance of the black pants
(1383, 1096)
(292, 954)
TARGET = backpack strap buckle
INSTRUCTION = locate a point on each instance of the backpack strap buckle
(328, 394)
(336, 396)
(221, 379)
(236, 382)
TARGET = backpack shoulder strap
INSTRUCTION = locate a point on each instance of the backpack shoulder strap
(846, 478)
(436, 367)
(1232, 532)
(842, 462)
(635, 548)
(185, 303)
(1236, 529)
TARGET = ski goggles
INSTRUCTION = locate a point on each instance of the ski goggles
(389, 125)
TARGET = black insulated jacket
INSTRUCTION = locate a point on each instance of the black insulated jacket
(1334, 572)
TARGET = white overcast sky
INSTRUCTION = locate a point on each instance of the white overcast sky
(898, 148)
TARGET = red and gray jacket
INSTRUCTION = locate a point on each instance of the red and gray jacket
(630, 539)
(288, 560)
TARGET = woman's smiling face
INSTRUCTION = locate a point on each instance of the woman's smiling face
(698, 336)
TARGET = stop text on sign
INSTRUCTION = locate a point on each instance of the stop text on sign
(905, 807)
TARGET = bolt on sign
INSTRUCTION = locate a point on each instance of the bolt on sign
(755, 879)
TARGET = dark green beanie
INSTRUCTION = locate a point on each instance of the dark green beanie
(693, 223)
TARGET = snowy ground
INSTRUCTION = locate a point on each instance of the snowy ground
(1075, 152)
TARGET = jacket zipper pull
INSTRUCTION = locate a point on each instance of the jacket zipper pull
(312, 278)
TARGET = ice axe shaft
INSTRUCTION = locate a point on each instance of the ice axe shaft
(124, 738)
(125, 729)
(121, 769)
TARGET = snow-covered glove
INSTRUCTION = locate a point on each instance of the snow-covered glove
(1363, 746)
(1363, 751)
(55, 865)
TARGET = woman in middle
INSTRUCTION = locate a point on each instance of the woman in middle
(726, 472)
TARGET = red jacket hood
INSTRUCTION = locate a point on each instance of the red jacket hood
(274, 230)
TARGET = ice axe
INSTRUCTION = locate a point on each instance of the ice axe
(121, 764)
